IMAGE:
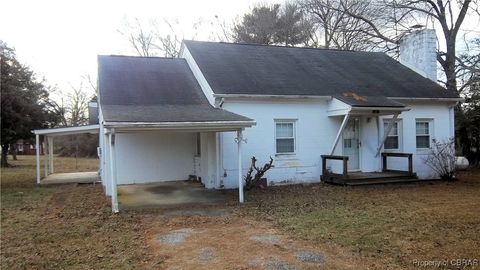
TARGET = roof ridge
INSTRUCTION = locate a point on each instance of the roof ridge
(271, 45)
(138, 56)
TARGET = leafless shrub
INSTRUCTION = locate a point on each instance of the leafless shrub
(253, 181)
(441, 158)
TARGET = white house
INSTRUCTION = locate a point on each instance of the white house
(320, 114)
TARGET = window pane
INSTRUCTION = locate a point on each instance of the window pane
(393, 131)
(422, 128)
(284, 130)
(391, 142)
(347, 143)
(423, 141)
(285, 146)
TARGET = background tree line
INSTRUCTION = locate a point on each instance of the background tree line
(27, 104)
(370, 25)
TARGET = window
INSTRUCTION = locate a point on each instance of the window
(393, 139)
(423, 133)
(285, 137)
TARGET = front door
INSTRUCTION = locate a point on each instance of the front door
(351, 143)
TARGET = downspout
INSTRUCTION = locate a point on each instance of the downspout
(223, 173)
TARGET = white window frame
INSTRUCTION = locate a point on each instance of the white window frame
(294, 124)
(399, 135)
(430, 132)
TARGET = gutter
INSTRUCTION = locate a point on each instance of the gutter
(428, 99)
(402, 109)
(224, 124)
(248, 96)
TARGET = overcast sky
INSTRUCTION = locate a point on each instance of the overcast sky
(61, 39)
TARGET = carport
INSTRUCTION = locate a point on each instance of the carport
(150, 111)
(113, 131)
(48, 135)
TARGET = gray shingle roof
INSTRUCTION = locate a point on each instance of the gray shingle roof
(153, 89)
(274, 70)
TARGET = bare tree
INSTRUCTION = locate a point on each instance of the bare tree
(157, 37)
(72, 106)
(400, 15)
(140, 39)
(223, 32)
(468, 66)
(340, 30)
(292, 26)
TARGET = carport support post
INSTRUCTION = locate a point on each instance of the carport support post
(37, 153)
(50, 153)
(113, 171)
(240, 177)
(45, 156)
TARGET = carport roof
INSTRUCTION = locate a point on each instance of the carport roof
(92, 129)
(151, 90)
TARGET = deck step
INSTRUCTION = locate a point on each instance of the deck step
(380, 181)
(372, 179)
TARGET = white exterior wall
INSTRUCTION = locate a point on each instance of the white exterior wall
(315, 133)
(442, 123)
(208, 160)
(146, 157)
(159, 156)
(154, 156)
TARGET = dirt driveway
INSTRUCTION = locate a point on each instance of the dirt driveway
(220, 238)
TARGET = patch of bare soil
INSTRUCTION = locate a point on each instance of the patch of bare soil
(233, 241)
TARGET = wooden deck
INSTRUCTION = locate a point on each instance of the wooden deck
(369, 178)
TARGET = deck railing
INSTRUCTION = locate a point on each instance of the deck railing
(385, 156)
(333, 157)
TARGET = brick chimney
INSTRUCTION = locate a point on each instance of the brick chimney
(418, 51)
(93, 111)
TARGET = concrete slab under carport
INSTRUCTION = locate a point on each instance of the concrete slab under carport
(167, 194)
(70, 178)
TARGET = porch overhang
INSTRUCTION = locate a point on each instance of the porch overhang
(354, 105)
